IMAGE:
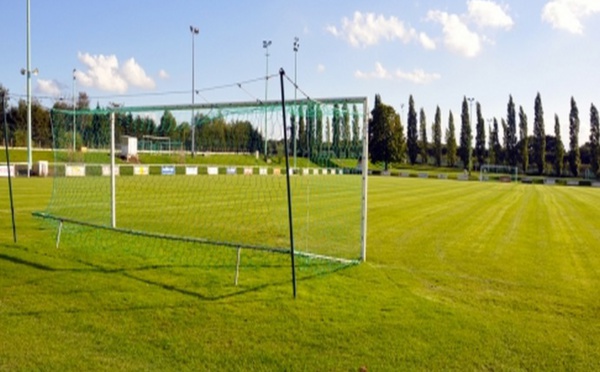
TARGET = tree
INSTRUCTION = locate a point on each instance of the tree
(512, 151)
(311, 123)
(594, 140)
(559, 149)
(574, 155)
(494, 145)
(384, 139)
(319, 129)
(302, 143)
(423, 130)
(336, 127)
(346, 133)
(524, 139)
(503, 152)
(539, 136)
(437, 137)
(450, 142)
(168, 125)
(466, 138)
(412, 137)
(355, 129)
(480, 138)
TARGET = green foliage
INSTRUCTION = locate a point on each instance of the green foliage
(385, 134)
(466, 138)
(524, 140)
(412, 133)
(512, 151)
(480, 152)
(424, 146)
(594, 140)
(437, 137)
(559, 149)
(451, 142)
(574, 155)
(539, 136)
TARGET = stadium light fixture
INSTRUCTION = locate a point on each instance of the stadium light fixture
(266, 44)
(194, 31)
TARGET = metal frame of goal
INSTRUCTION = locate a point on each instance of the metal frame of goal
(505, 173)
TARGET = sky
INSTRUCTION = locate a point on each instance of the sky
(135, 52)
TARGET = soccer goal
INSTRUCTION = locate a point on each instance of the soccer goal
(498, 172)
(226, 195)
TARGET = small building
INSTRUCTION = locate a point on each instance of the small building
(129, 146)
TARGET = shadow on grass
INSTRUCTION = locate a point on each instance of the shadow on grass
(323, 269)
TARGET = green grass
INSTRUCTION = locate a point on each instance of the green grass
(460, 276)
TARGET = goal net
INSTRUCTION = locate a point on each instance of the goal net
(221, 199)
(498, 172)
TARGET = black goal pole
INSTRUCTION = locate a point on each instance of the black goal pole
(287, 177)
(12, 208)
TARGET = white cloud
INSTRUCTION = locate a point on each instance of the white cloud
(320, 68)
(103, 72)
(567, 15)
(366, 29)
(48, 87)
(417, 76)
(457, 36)
(163, 74)
(487, 13)
(379, 73)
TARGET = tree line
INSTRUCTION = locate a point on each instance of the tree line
(507, 142)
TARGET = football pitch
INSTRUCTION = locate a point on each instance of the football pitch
(459, 276)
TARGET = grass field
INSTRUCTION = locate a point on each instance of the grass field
(459, 276)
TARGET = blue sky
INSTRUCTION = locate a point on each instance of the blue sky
(139, 52)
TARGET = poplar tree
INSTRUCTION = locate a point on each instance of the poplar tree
(423, 129)
(559, 157)
(594, 140)
(524, 150)
(450, 142)
(574, 155)
(437, 137)
(466, 138)
(480, 138)
(539, 136)
(512, 151)
(412, 138)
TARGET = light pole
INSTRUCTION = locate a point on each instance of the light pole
(194, 31)
(266, 44)
(296, 47)
(74, 121)
(28, 72)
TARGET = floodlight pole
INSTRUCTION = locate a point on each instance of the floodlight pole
(294, 134)
(74, 121)
(194, 31)
(29, 153)
(266, 44)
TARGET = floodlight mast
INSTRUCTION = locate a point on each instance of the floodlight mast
(294, 134)
(74, 121)
(28, 71)
(194, 31)
(266, 44)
